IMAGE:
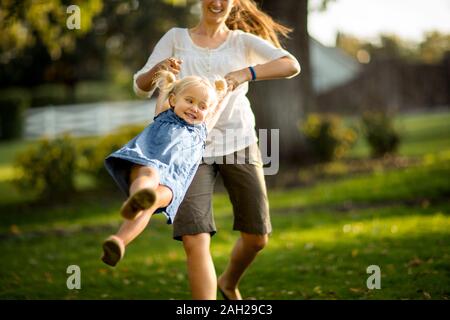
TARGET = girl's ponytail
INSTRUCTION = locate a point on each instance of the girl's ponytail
(246, 16)
(221, 88)
(165, 81)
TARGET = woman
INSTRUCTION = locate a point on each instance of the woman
(236, 40)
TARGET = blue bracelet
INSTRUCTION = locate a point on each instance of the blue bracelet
(253, 73)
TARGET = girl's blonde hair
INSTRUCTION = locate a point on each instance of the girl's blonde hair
(246, 16)
(168, 84)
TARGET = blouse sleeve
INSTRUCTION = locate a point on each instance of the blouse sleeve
(260, 51)
(162, 51)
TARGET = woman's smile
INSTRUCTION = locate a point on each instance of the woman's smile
(215, 10)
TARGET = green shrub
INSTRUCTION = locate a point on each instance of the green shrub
(13, 103)
(48, 168)
(327, 137)
(380, 133)
(94, 154)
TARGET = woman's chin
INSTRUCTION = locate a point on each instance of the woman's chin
(214, 20)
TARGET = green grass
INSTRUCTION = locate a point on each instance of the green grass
(427, 180)
(325, 236)
(312, 255)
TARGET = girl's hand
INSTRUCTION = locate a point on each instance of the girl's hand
(171, 64)
(236, 78)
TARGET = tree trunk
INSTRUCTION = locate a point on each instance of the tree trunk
(281, 104)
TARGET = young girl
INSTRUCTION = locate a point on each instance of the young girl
(155, 168)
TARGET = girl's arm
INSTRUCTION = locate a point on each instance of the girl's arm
(216, 112)
(161, 106)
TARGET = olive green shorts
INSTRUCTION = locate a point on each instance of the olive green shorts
(243, 176)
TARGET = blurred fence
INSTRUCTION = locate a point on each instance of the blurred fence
(86, 119)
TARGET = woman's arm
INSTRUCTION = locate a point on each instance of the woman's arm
(145, 81)
(268, 61)
(142, 79)
(281, 68)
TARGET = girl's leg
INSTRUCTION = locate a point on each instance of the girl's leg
(201, 272)
(130, 229)
(144, 181)
(114, 246)
(144, 177)
(243, 254)
(141, 177)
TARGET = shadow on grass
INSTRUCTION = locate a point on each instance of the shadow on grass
(81, 207)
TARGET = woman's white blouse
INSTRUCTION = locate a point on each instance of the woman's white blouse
(234, 129)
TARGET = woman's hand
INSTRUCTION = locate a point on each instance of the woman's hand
(146, 81)
(171, 64)
(236, 78)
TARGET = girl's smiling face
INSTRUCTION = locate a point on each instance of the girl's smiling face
(192, 104)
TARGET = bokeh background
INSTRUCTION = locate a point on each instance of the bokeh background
(364, 151)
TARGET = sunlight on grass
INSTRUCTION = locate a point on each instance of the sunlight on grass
(362, 230)
(430, 180)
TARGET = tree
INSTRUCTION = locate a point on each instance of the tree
(36, 45)
(115, 39)
(281, 104)
(435, 46)
(24, 23)
(431, 50)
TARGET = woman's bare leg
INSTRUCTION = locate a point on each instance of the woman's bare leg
(243, 254)
(201, 272)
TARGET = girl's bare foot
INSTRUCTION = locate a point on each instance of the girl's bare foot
(113, 250)
(138, 203)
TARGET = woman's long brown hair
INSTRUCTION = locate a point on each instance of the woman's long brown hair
(246, 16)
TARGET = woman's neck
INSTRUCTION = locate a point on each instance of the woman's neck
(210, 30)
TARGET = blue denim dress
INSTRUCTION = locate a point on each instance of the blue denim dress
(169, 144)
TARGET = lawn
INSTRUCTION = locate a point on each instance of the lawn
(325, 236)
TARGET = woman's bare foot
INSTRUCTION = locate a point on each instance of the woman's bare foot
(138, 203)
(228, 292)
